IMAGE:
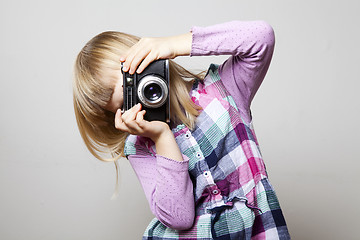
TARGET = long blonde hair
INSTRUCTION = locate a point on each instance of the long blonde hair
(91, 93)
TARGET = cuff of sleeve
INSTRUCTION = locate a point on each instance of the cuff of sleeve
(196, 39)
(172, 164)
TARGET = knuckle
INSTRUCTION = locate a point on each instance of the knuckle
(131, 124)
(127, 121)
(139, 122)
(124, 117)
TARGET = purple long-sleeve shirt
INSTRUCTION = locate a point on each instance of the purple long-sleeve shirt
(166, 182)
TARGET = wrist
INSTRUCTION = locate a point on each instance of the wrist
(166, 146)
(166, 133)
(182, 44)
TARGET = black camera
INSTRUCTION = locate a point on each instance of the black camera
(151, 89)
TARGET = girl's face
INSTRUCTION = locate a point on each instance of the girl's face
(116, 100)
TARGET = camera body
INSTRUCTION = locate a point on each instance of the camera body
(151, 89)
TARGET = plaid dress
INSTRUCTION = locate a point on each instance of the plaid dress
(233, 197)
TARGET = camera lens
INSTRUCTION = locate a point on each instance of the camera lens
(152, 92)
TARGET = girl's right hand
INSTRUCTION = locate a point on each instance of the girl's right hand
(132, 121)
(147, 50)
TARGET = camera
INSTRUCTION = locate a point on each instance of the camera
(151, 89)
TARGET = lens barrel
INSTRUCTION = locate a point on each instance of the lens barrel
(152, 91)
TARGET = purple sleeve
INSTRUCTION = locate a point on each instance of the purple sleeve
(250, 45)
(168, 188)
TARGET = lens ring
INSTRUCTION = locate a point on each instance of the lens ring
(155, 97)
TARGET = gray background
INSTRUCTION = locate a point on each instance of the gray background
(306, 114)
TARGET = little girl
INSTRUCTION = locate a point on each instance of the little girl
(203, 173)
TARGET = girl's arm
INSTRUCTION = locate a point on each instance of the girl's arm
(168, 189)
(147, 50)
(164, 177)
(250, 45)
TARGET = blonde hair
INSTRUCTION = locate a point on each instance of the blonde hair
(95, 62)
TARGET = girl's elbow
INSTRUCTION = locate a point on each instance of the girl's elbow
(178, 221)
(179, 224)
(264, 43)
(267, 34)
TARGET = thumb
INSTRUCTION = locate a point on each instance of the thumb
(118, 119)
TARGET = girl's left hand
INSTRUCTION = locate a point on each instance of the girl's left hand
(147, 50)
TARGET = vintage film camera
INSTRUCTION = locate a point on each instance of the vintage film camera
(151, 89)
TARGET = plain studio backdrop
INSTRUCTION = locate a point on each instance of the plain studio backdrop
(306, 115)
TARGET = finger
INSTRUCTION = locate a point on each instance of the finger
(130, 126)
(134, 126)
(140, 118)
(147, 60)
(130, 114)
(127, 58)
(137, 59)
(132, 52)
(118, 120)
(119, 124)
(138, 53)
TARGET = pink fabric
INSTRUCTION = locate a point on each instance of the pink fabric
(250, 45)
(166, 182)
(168, 188)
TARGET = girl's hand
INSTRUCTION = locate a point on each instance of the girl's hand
(148, 50)
(132, 121)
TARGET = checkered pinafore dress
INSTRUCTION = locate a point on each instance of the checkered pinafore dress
(233, 197)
